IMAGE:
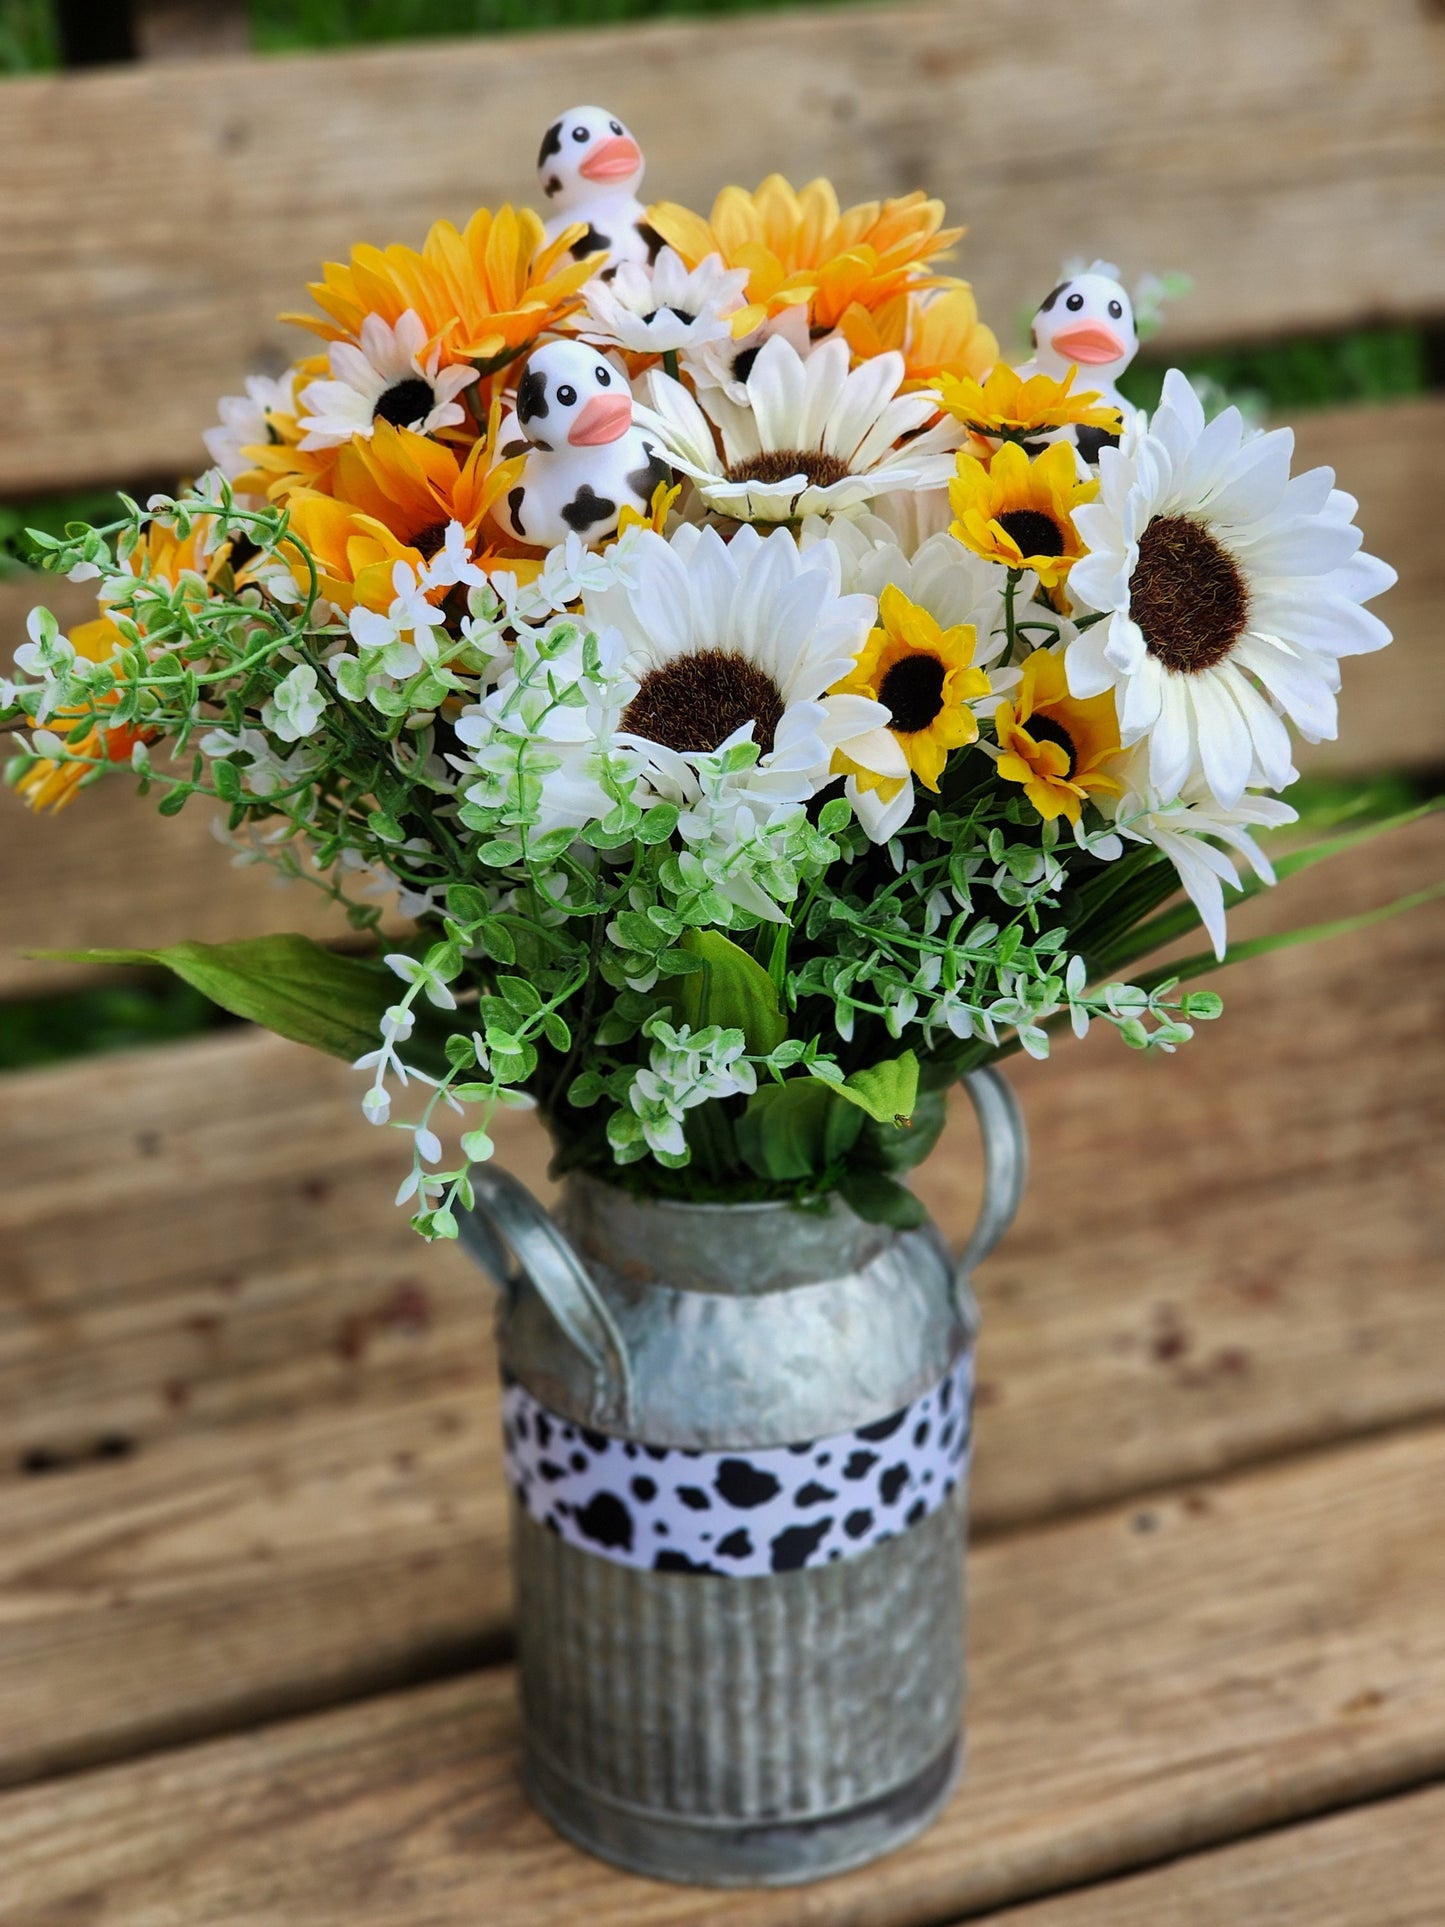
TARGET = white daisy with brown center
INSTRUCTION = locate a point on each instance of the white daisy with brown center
(731, 643)
(813, 436)
(666, 308)
(1230, 590)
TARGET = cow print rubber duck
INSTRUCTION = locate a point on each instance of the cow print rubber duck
(1086, 322)
(585, 459)
(590, 168)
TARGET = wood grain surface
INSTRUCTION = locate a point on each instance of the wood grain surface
(1378, 1865)
(143, 277)
(242, 1409)
(1144, 1682)
(109, 871)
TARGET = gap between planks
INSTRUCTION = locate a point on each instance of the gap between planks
(1236, 138)
(1269, 1649)
(271, 1414)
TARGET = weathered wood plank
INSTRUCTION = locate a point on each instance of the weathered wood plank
(269, 1415)
(110, 871)
(1380, 1865)
(1265, 1649)
(143, 278)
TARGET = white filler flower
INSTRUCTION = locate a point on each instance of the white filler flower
(1231, 590)
(812, 438)
(384, 379)
(731, 643)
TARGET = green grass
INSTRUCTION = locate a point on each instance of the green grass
(283, 26)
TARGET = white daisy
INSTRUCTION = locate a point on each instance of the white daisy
(243, 422)
(666, 308)
(1231, 590)
(1182, 828)
(814, 437)
(727, 363)
(732, 643)
(385, 376)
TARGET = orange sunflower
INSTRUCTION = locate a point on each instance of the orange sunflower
(802, 249)
(937, 332)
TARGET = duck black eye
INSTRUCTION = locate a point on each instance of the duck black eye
(604, 377)
(1116, 308)
(580, 134)
(566, 394)
(615, 125)
(1075, 302)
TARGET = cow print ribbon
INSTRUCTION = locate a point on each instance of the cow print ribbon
(744, 1512)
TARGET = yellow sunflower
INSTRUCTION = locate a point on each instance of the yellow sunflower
(484, 293)
(1011, 408)
(802, 249)
(1054, 744)
(1020, 512)
(923, 674)
(938, 333)
(394, 496)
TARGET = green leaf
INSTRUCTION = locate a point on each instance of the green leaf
(796, 1130)
(887, 1091)
(879, 1199)
(899, 1148)
(287, 983)
(1205, 960)
(732, 989)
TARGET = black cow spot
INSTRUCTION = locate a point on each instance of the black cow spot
(945, 1437)
(813, 1494)
(670, 1561)
(644, 1489)
(915, 1512)
(792, 1548)
(597, 1440)
(892, 1483)
(737, 1545)
(552, 185)
(800, 1451)
(652, 240)
(644, 481)
(921, 1431)
(515, 498)
(606, 1519)
(658, 1452)
(857, 1523)
(551, 1471)
(1091, 440)
(694, 1498)
(579, 1461)
(659, 1526)
(532, 402)
(523, 1429)
(629, 1450)
(857, 1463)
(744, 1485)
(544, 1429)
(551, 144)
(945, 1395)
(587, 507)
(882, 1428)
(928, 1476)
(592, 242)
(1051, 297)
(551, 1524)
(824, 1458)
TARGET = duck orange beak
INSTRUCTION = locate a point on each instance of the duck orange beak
(1089, 342)
(604, 419)
(614, 160)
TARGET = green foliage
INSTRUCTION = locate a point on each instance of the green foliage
(730, 989)
(84, 1023)
(1359, 365)
(285, 25)
(27, 37)
(289, 983)
(886, 1091)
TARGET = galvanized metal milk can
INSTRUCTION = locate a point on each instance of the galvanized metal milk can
(737, 1441)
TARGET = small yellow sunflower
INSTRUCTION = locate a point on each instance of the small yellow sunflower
(802, 249)
(1054, 744)
(1008, 407)
(1020, 512)
(484, 294)
(923, 675)
(938, 333)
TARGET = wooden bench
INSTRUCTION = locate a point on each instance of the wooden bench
(253, 1573)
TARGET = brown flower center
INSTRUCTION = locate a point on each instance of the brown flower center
(405, 402)
(913, 691)
(1187, 595)
(1035, 532)
(782, 464)
(697, 701)
(1044, 729)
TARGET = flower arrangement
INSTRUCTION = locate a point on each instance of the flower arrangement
(767, 702)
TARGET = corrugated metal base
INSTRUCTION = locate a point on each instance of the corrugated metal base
(729, 1731)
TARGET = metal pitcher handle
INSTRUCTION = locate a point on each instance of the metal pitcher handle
(1005, 1172)
(507, 1216)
